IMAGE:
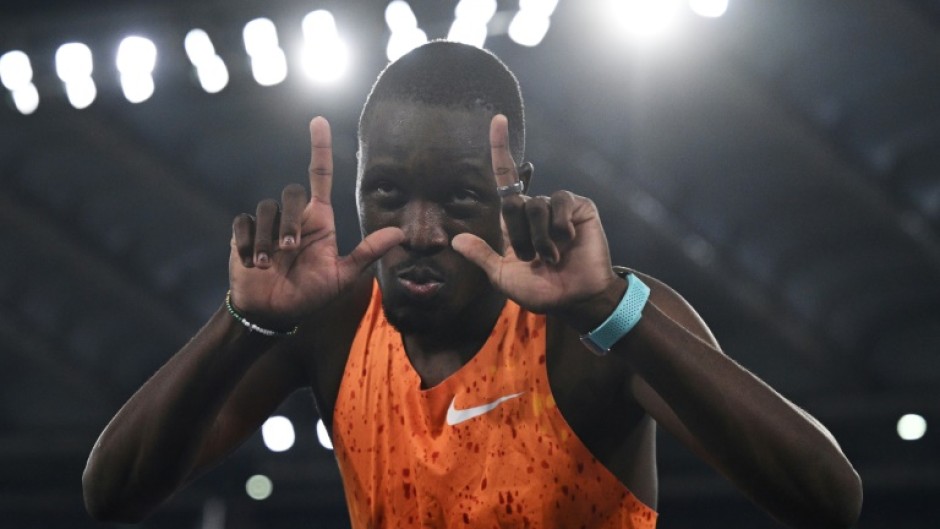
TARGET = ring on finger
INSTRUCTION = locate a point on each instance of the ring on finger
(515, 188)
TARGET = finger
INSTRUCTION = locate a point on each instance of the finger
(504, 168)
(539, 216)
(243, 228)
(478, 252)
(562, 225)
(321, 160)
(293, 202)
(266, 219)
(517, 226)
(373, 246)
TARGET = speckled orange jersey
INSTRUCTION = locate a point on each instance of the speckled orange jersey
(485, 448)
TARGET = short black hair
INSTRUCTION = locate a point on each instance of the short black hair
(454, 75)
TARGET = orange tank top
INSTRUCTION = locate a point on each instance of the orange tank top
(487, 447)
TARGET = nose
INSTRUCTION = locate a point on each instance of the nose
(423, 224)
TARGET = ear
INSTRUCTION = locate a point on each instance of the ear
(525, 171)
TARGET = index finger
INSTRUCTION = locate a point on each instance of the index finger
(504, 168)
(321, 160)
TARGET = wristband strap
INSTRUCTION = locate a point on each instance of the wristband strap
(251, 326)
(621, 320)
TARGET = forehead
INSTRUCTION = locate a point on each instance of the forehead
(403, 129)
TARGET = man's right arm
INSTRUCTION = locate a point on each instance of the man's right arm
(284, 266)
(195, 410)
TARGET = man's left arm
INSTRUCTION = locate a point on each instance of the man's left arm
(775, 452)
(557, 261)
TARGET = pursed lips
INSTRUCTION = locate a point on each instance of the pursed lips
(420, 281)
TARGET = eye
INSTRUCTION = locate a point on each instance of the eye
(386, 194)
(465, 196)
(385, 188)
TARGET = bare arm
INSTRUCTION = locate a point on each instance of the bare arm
(558, 263)
(189, 415)
(775, 452)
(283, 266)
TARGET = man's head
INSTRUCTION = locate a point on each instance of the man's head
(454, 75)
(425, 167)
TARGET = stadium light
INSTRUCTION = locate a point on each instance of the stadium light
(644, 19)
(325, 56)
(406, 35)
(912, 427)
(136, 60)
(709, 8)
(323, 436)
(470, 20)
(16, 74)
(210, 68)
(74, 65)
(399, 16)
(530, 25)
(278, 433)
(268, 62)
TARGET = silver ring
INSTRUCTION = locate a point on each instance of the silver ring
(515, 188)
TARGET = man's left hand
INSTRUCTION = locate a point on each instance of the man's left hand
(556, 259)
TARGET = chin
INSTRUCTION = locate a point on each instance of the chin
(412, 320)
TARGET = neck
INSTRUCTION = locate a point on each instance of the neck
(437, 355)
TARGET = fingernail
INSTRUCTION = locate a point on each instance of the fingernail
(289, 240)
(262, 257)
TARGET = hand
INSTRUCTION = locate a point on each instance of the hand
(284, 262)
(556, 259)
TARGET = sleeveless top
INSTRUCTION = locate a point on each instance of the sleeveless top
(487, 447)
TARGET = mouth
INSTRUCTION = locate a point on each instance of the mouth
(420, 282)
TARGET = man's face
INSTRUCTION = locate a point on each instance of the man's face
(427, 170)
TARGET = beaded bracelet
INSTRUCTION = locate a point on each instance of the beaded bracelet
(251, 326)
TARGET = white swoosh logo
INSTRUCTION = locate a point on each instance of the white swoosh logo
(455, 416)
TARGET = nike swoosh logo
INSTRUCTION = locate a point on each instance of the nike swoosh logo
(455, 416)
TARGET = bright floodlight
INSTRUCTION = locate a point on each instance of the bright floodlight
(15, 70)
(81, 92)
(136, 55)
(26, 98)
(323, 436)
(401, 42)
(137, 88)
(199, 47)
(260, 37)
(259, 487)
(319, 24)
(912, 427)
(475, 11)
(645, 18)
(212, 74)
(528, 29)
(400, 17)
(709, 8)
(324, 55)
(73, 62)
(467, 32)
(278, 433)
(538, 7)
(270, 68)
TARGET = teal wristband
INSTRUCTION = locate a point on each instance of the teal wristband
(621, 321)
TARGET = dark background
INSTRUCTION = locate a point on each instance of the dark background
(779, 166)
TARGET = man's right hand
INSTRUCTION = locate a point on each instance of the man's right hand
(284, 262)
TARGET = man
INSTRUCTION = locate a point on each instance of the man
(447, 350)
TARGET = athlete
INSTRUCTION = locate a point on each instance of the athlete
(477, 358)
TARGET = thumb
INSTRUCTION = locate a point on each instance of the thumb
(477, 251)
(370, 249)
